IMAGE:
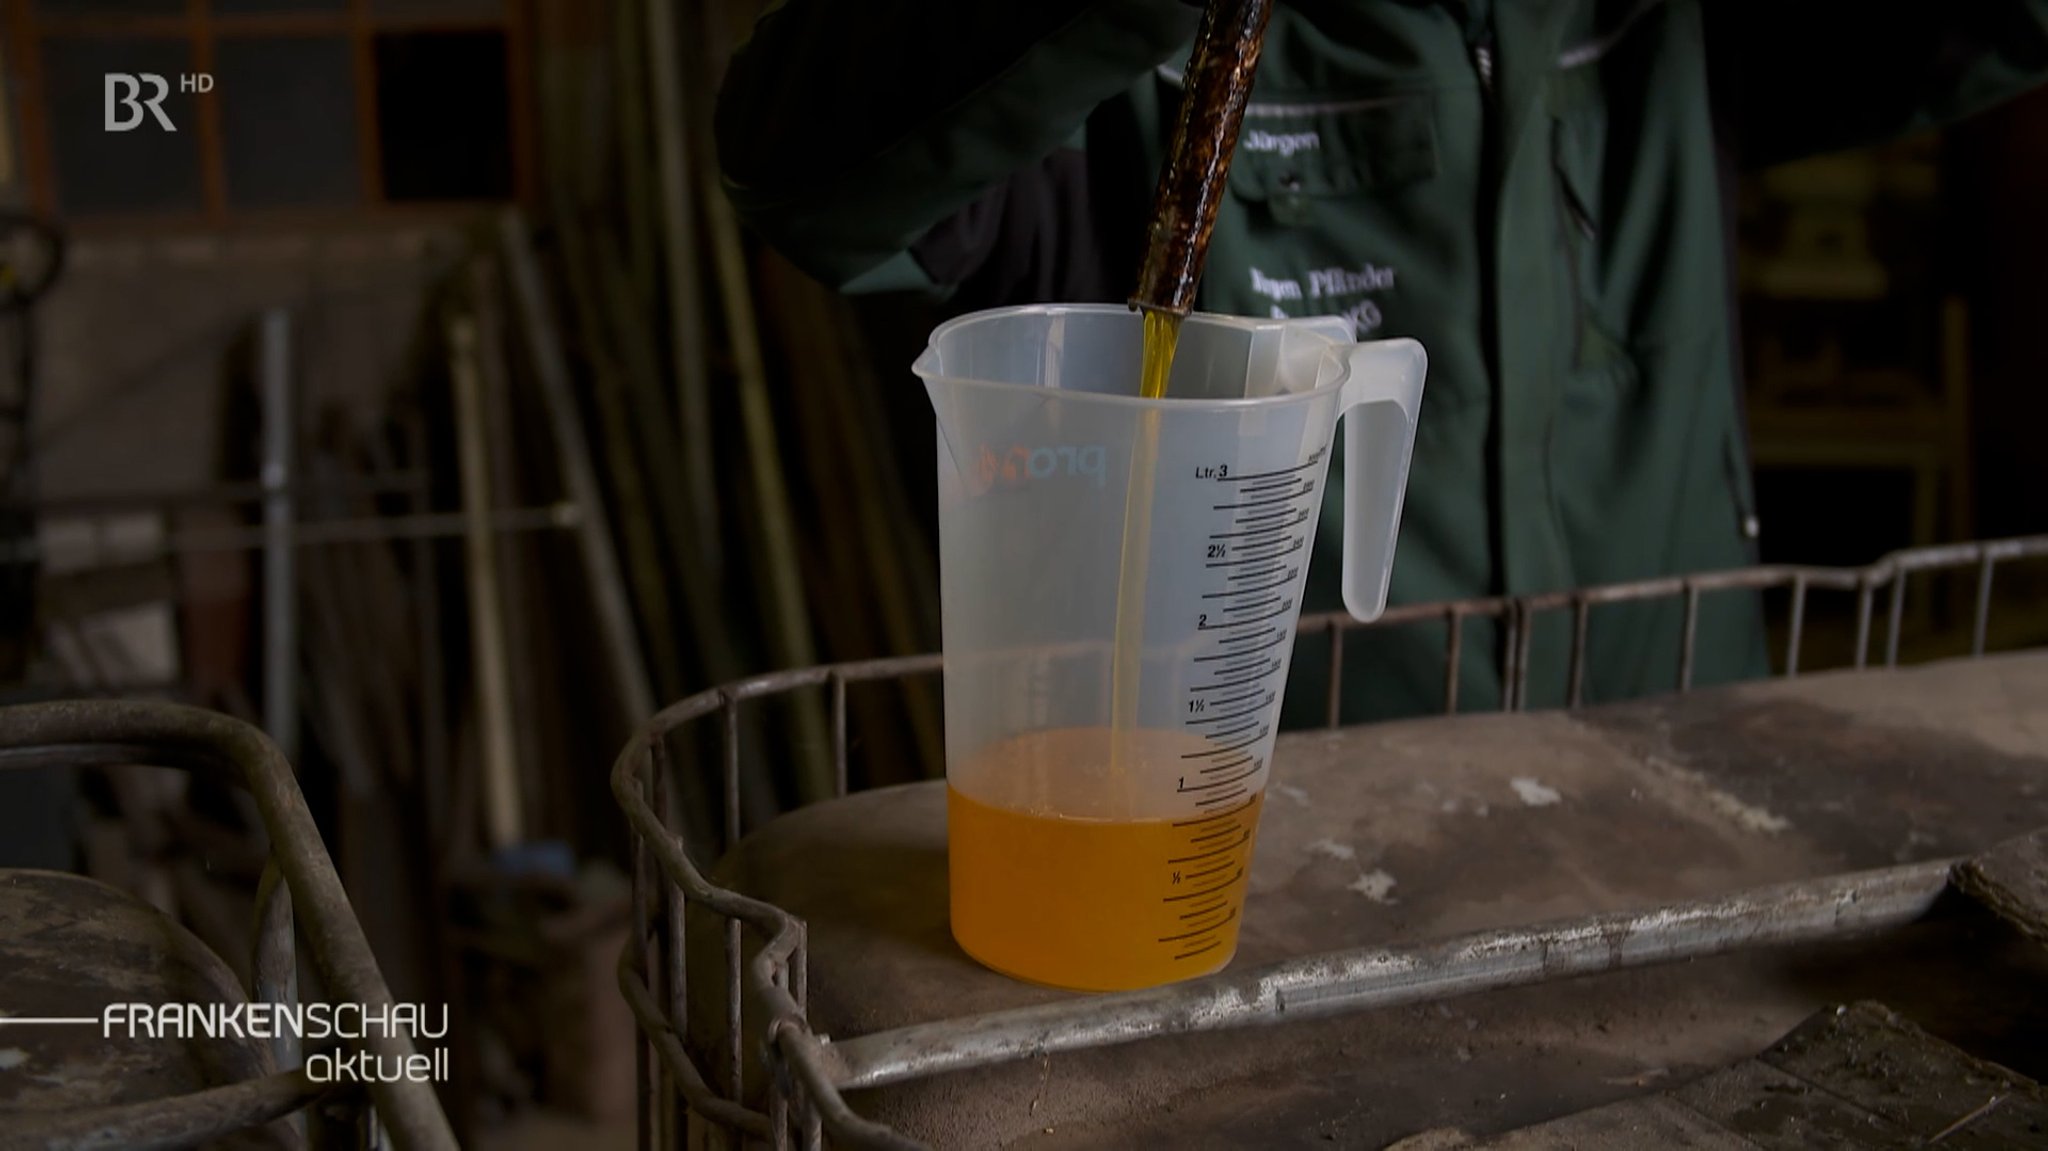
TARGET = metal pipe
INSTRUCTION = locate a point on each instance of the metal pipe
(319, 533)
(1454, 646)
(1897, 620)
(674, 96)
(1982, 621)
(812, 1062)
(838, 735)
(1797, 628)
(280, 589)
(220, 495)
(1581, 618)
(504, 808)
(1864, 595)
(1688, 639)
(1335, 702)
(551, 369)
(1368, 978)
(1510, 644)
(669, 1046)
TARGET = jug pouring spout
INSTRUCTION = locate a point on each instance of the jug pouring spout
(927, 369)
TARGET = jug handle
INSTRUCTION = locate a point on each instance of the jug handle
(1381, 398)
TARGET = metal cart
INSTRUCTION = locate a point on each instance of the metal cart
(1720, 858)
(69, 946)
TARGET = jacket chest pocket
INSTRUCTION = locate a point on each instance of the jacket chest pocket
(1319, 218)
(1292, 157)
(1578, 156)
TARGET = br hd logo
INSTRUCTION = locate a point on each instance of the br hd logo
(126, 104)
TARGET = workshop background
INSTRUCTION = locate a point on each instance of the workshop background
(418, 399)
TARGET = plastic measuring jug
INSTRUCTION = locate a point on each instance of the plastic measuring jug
(1098, 855)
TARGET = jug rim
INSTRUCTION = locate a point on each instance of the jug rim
(922, 371)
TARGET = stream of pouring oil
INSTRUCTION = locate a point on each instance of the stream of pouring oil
(1162, 332)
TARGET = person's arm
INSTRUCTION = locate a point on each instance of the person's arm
(849, 129)
(1803, 77)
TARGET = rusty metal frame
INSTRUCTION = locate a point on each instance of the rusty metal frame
(300, 895)
(809, 1073)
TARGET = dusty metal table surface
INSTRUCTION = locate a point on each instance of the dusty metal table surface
(1423, 829)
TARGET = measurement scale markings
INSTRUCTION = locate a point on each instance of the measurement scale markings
(1313, 459)
(1225, 718)
(1283, 610)
(1258, 559)
(1312, 462)
(1302, 484)
(1262, 573)
(1275, 485)
(1246, 549)
(1274, 665)
(1266, 502)
(1199, 950)
(1218, 833)
(1242, 666)
(1223, 886)
(1300, 516)
(1233, 730)
(1224, 850)
(1282, 514)
(1270, 529)
(1263, 733)
(1246, 638)
(1241, 698)
(1224, 798)
(1231, 624)
(1209, 818)
(1196, 911)
(1216, 783)
(1209, 871)
(1253, 606)
(1199, 931)
(1269, 645)
(1216, 917)
(1283, 581)
(1240, 761)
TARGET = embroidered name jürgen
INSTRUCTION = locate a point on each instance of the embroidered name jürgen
(1283, 143)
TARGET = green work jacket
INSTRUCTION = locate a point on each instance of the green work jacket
(1539, 192)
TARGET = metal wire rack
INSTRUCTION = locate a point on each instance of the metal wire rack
(299, 893)
(809, 1076)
